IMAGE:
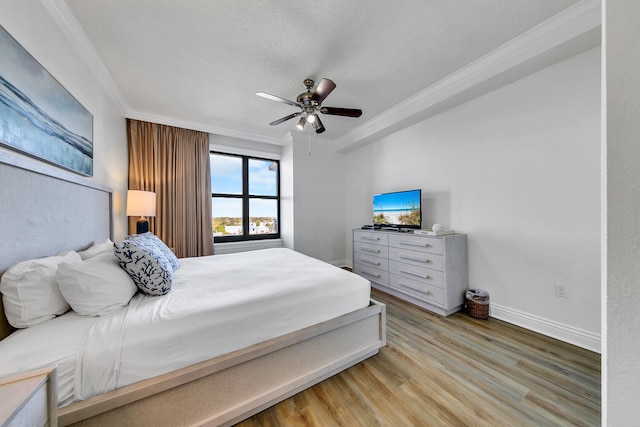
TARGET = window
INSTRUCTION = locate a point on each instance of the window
(245, 197)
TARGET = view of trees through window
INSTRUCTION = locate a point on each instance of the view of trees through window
(244, 197)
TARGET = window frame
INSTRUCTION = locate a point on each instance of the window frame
(246, 197)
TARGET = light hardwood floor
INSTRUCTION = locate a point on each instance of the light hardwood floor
(452, 371)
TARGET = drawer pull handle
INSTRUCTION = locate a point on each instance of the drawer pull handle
(369, 238)
(370, 262)
(420, 245)
(366, 273)
(422, 260)
(424, 291)
(414, 274)
(373, 251)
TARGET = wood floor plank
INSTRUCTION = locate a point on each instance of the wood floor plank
(459, 389)
(355, 400)
(452, 371)
(333, 406)
(564, 411)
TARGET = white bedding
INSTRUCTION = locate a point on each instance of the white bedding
(218, 304)
(52, 343)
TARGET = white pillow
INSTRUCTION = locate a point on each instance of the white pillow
(97, 249)
(30, 292)
(96, 286)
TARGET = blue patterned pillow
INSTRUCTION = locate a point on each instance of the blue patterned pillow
(151, 238)
(148, 267)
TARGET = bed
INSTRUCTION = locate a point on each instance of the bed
(221, 382)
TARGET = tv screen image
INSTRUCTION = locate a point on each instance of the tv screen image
(402, 209)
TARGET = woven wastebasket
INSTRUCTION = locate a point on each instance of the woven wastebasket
(477, 302)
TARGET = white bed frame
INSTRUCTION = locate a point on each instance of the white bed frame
(220, 391)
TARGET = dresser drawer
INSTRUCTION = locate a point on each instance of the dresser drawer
(413, 272)
(412, 242)
(370, 249)
(420, 259)
(430, 271)
(366, 260)
(417, 289)
(373, 237)
(371, 273)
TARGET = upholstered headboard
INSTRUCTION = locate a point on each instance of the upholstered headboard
(46, 210)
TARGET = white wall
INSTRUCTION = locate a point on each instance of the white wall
(230, 144)
(319, 201)
(517, 169)
(33, 27)
(287, 207)
(621, 363)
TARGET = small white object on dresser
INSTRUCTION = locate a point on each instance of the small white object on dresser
(429, 271)
(29, 400)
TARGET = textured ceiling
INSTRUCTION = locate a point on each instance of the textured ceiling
(202, 61)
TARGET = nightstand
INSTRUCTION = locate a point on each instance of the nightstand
(29, 400)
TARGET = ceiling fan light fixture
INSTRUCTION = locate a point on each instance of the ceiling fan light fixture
(310, 104)
(318, 126)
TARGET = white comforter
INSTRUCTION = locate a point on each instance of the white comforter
(218, 304)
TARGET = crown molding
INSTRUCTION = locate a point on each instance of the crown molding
(466, 83)
(204, 127)
(67, 21)
(470, 81)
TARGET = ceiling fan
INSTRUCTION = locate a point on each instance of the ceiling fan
(310, 103)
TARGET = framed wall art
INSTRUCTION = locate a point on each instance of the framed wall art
(38, 116)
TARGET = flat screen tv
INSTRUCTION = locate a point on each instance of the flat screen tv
(401, 209)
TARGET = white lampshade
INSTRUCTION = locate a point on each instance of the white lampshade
(141, 203)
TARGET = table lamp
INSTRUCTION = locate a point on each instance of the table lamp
(142, 204)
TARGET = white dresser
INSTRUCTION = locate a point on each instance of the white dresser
(429, 271)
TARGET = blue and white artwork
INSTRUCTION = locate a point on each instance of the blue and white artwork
(38, 116)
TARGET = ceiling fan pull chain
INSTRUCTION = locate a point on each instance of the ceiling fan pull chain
(309, 142)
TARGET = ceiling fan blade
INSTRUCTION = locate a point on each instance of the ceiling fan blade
(323, 90)
(284, 119)
(348, 112)
(278, 99)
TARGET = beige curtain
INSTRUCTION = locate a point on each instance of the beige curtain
(174, 163)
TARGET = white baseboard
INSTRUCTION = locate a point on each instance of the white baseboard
(566, 333)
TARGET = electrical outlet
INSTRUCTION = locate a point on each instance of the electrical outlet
(562, 291)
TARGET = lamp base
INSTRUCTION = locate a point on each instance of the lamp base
(142, 225)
